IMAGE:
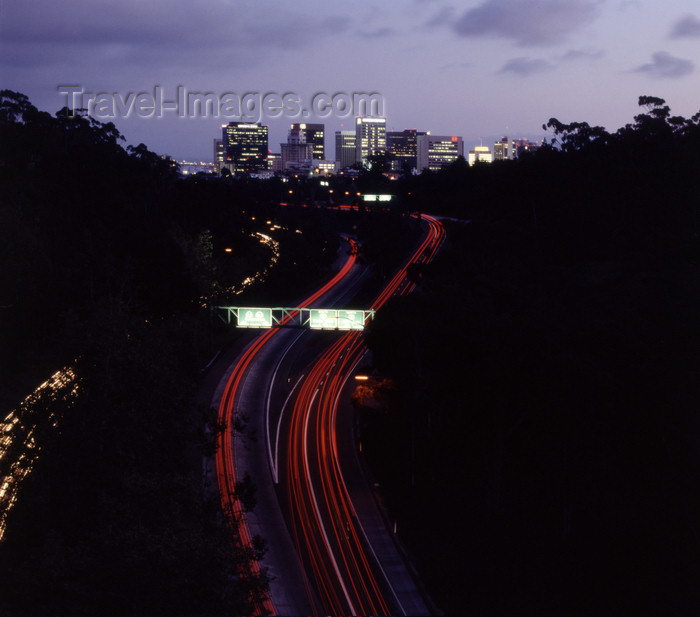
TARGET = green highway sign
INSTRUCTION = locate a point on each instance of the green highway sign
(323, 319)
(380, 197)
(254, 318)
(351, 320)
(301, 317)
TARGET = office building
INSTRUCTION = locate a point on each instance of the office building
(345, 151)
(314, 167)
(296, 149)
(480, 154)
(314, 135)
(219, 155)
(403, 146)
(436, 151)
(504, 150)
(190, 168)
(370, 137)
(274, 161)
(246, 147)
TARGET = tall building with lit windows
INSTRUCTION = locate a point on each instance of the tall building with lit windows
(504, 150)
(296, 149)
(403, 146)
(370, 137)
(314, 135)
(437, 151)
(246, 147)
(345, 151)
(480, 154)
(274, 161)
(219, 155)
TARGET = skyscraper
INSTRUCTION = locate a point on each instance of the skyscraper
(480, 154)
(504, 150)
(219, 155)
(370, 137)
(296, 149)
(345, 151)
(246, 146)
(436, 151)
(315, 135)
(403, 145)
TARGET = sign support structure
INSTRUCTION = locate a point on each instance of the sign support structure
(300, 317)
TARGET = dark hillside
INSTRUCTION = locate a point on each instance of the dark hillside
(540, 451)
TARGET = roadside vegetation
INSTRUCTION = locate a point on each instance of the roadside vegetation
(534, 419)
(538, 444)
(108, 262)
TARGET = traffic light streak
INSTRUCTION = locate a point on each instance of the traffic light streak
(225, 468)
(327, 538)
(323, 521)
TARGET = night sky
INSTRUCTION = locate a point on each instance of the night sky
(482, 68)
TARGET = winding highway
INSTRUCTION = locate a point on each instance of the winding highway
(225, 467)
(292, 383)
(328, 534)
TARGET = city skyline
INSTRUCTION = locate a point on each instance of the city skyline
(242, 143)
(480, 69)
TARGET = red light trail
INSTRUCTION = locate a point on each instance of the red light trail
(225, 469)
(341, 567)
(326, 531)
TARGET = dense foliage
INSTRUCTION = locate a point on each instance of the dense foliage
(540, 444)
(106, 258)
(540, 448)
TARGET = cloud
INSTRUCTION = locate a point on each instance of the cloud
(525, 67)
(378, 33)
(443, 17)
(457, 65)
(157, 34)
(336, 23)
(574, 55)
(664, 65)
(527, 23)
(628, 5)
(686, 27)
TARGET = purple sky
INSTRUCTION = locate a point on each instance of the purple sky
(482, 68)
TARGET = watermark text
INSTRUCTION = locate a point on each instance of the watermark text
(232, 106)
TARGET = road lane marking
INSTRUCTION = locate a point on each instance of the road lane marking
(273, 460)
(315, 502)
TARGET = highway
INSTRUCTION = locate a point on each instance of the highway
(289, 383)
(347, 574)
(233, 396)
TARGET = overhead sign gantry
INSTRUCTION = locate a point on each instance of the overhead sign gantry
(301, 317)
